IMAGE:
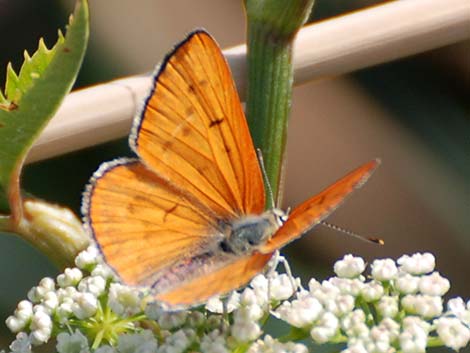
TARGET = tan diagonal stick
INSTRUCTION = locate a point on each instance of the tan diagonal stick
(329, 48)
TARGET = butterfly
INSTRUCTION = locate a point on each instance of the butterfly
(187, 217)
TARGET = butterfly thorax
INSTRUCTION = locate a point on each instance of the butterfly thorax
(251, 231)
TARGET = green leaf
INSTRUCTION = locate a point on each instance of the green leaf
(33, 96)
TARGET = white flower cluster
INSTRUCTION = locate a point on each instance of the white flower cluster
(400, 308)
(75, 295)
(209, 331)
(397, 308)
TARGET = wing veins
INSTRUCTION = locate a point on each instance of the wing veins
(227, 100)
(207, 110)
(184, 178)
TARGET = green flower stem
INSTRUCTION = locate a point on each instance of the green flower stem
(295, 334)
(272, 25)
(435, 342)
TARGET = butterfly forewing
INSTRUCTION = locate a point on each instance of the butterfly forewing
(142, 225)
(308, 214)
(192, 131)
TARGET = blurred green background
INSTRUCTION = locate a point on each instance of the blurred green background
(414, 113)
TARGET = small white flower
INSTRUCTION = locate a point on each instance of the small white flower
(41, 327)
(417, 264)
(452, 332)
(313, 285)
(384, 270)
(372, 291)
(282, 286)
(391, 326)
(75, 342)
(325, 293)
(85, 305)
(216, 305)
(249, 297)
(252, 312)
(347, 285)
(341, 305)
(249, 309)
(214, 322)
(41, 308)
(64, 294)
(214, 342)
(245, 331)
(434, 284)
(102, 270)
(195, 319)
(24, 310)
(142, 342)
(413, 339)
(124, 300)
(21, 316)
(64, 310)
(349, 267)
(355, 348)
(70, 277)
(278, 287)
(456, 306)
(412, 321)
(170, 320)
(14, 324)
(300, 312)
(47, 284)
(379, 341)
(387, 306)
(154, 310)
(36, 294)
(94, 285)
(88, 258)
(407, 284)
(178, 342)
(424, 305)
(270, 345)
(50, 301)
(354, 324)
(325, 328)
(22, 344)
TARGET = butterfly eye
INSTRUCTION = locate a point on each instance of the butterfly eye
(280, 216)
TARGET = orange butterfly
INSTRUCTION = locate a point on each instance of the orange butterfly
(187, 217)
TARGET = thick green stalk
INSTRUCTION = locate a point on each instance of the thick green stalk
(272, 25)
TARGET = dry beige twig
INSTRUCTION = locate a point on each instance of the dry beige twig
(328, 48)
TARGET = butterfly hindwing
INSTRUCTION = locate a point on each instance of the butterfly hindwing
(224, 278)
(308, 214)
(192, 131)
(141, 224)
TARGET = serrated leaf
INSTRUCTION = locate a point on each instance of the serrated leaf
(33, 96)
(11, 86)
(33, 68)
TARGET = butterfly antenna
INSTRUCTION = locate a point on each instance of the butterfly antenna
(355, 235)
(265, 176)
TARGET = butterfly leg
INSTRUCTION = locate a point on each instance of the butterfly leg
(294, 284)
(225, 322)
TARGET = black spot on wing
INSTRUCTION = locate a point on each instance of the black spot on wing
(216, 122)
(170, 210)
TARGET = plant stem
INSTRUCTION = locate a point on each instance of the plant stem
(272, 25)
